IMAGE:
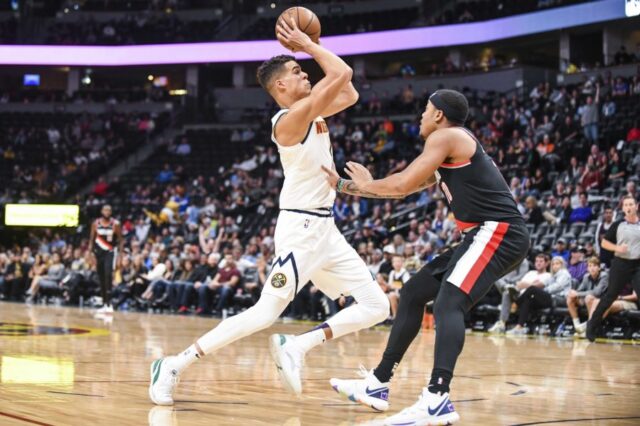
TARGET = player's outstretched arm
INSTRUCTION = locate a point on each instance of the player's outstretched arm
(412, 179)
(337, 76)
(349, 187)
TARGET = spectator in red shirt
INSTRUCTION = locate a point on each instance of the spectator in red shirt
(101, 188)
(634, 132)
(223, 285)
(592, 177)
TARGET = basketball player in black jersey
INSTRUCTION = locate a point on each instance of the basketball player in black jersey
(495, 241)
(105, 233)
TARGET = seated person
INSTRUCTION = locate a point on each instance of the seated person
(594, 283)
(397, 278)
(182, 292)
(51, 280)
(541, 296)
(577, 266)
(626, 301)
(253, 282)
(508, 286)
(15, 277)
(223, 285)
(130, 282)
(158, 291)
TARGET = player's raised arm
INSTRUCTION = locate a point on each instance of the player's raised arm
(347, 97)
(337, 76)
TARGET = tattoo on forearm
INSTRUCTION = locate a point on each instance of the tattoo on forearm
(351, 188)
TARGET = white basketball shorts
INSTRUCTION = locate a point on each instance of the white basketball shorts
(311, 248)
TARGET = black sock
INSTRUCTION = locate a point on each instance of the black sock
(384, 371)
(440, 380)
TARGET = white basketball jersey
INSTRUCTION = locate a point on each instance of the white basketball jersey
(305, 186)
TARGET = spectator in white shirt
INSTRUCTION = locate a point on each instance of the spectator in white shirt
(397, 278)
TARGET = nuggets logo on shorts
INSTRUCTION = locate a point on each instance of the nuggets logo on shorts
(279, 280)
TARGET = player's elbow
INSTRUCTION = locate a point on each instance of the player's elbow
(345, 75)
(353, 97)
(403, 186)
(341, 74)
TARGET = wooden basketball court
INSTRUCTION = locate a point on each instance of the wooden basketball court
(59, 366)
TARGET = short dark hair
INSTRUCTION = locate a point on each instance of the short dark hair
(545, 256)
(268, 69)
(453, 104)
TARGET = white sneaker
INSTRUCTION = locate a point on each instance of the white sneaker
(163, 381)
(497, 328)
(581, 328)
(368, 391)
(517, 331)
(105, 310)
(288, 358)
(431, 409)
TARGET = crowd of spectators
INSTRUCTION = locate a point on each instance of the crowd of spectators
(463, 11)
(46, 156)
(140, 28)
(203, 244)
(145, 22)
(97, 93)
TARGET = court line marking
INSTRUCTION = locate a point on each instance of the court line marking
(347, 404)
(75, 393)
(344, 404)
(212, 402)
(565, 339)
(24, 419)
(556, 377)
(547, 422)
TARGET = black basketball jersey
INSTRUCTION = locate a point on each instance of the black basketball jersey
(476, 190)
(105, 235)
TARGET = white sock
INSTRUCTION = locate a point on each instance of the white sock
(185, 358)
(576, 322)
(310, 339)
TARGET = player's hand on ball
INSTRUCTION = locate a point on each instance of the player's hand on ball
(358, 173)
(290, 35)
(332, 176)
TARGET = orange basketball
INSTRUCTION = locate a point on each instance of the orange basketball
(306, 20)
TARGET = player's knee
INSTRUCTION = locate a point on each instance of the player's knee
(378, 305)
(267, 310)
(451, 299)
(408, 291)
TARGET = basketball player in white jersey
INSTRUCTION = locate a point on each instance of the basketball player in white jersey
(308, 245)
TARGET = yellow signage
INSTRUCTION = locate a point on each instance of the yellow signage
(37, 370)
(41, 215)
